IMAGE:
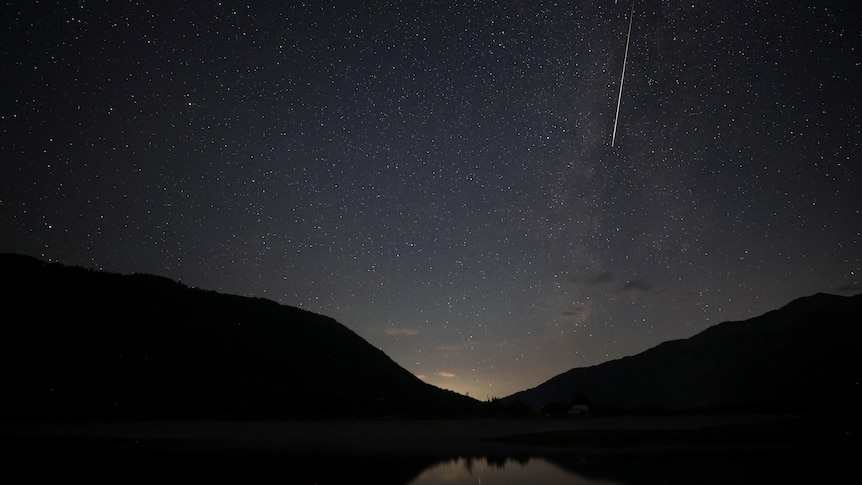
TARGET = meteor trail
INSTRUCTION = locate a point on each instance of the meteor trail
(623, 76)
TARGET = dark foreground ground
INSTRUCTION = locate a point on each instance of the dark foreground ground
(396, 451)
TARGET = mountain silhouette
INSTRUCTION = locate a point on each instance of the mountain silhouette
(84, 344)
(806, 356)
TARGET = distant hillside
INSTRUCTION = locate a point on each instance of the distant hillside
(805, 356)
(81, 344)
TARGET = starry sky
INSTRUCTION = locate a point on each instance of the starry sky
(438, 176)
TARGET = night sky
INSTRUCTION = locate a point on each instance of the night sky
(439, 176)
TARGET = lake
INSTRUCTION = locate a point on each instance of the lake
(431, 452)
(134, 462)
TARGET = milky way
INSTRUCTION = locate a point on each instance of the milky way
(438, 176)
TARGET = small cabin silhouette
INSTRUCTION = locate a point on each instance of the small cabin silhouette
(579, 409)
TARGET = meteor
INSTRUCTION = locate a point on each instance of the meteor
(623, 76)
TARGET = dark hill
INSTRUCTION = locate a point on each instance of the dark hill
(805, 356)
(82, 344)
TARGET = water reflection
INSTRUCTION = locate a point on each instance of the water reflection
(714, 467)
(501, 471)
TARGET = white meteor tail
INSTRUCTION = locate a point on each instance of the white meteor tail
(623, 76)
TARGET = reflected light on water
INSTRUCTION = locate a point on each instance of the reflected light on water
(504, 471)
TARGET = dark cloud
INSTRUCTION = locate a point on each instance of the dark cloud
(602, 279)
(689, 295)
(580, 311)
(638, 288)
(849, 290)
(632, 288)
